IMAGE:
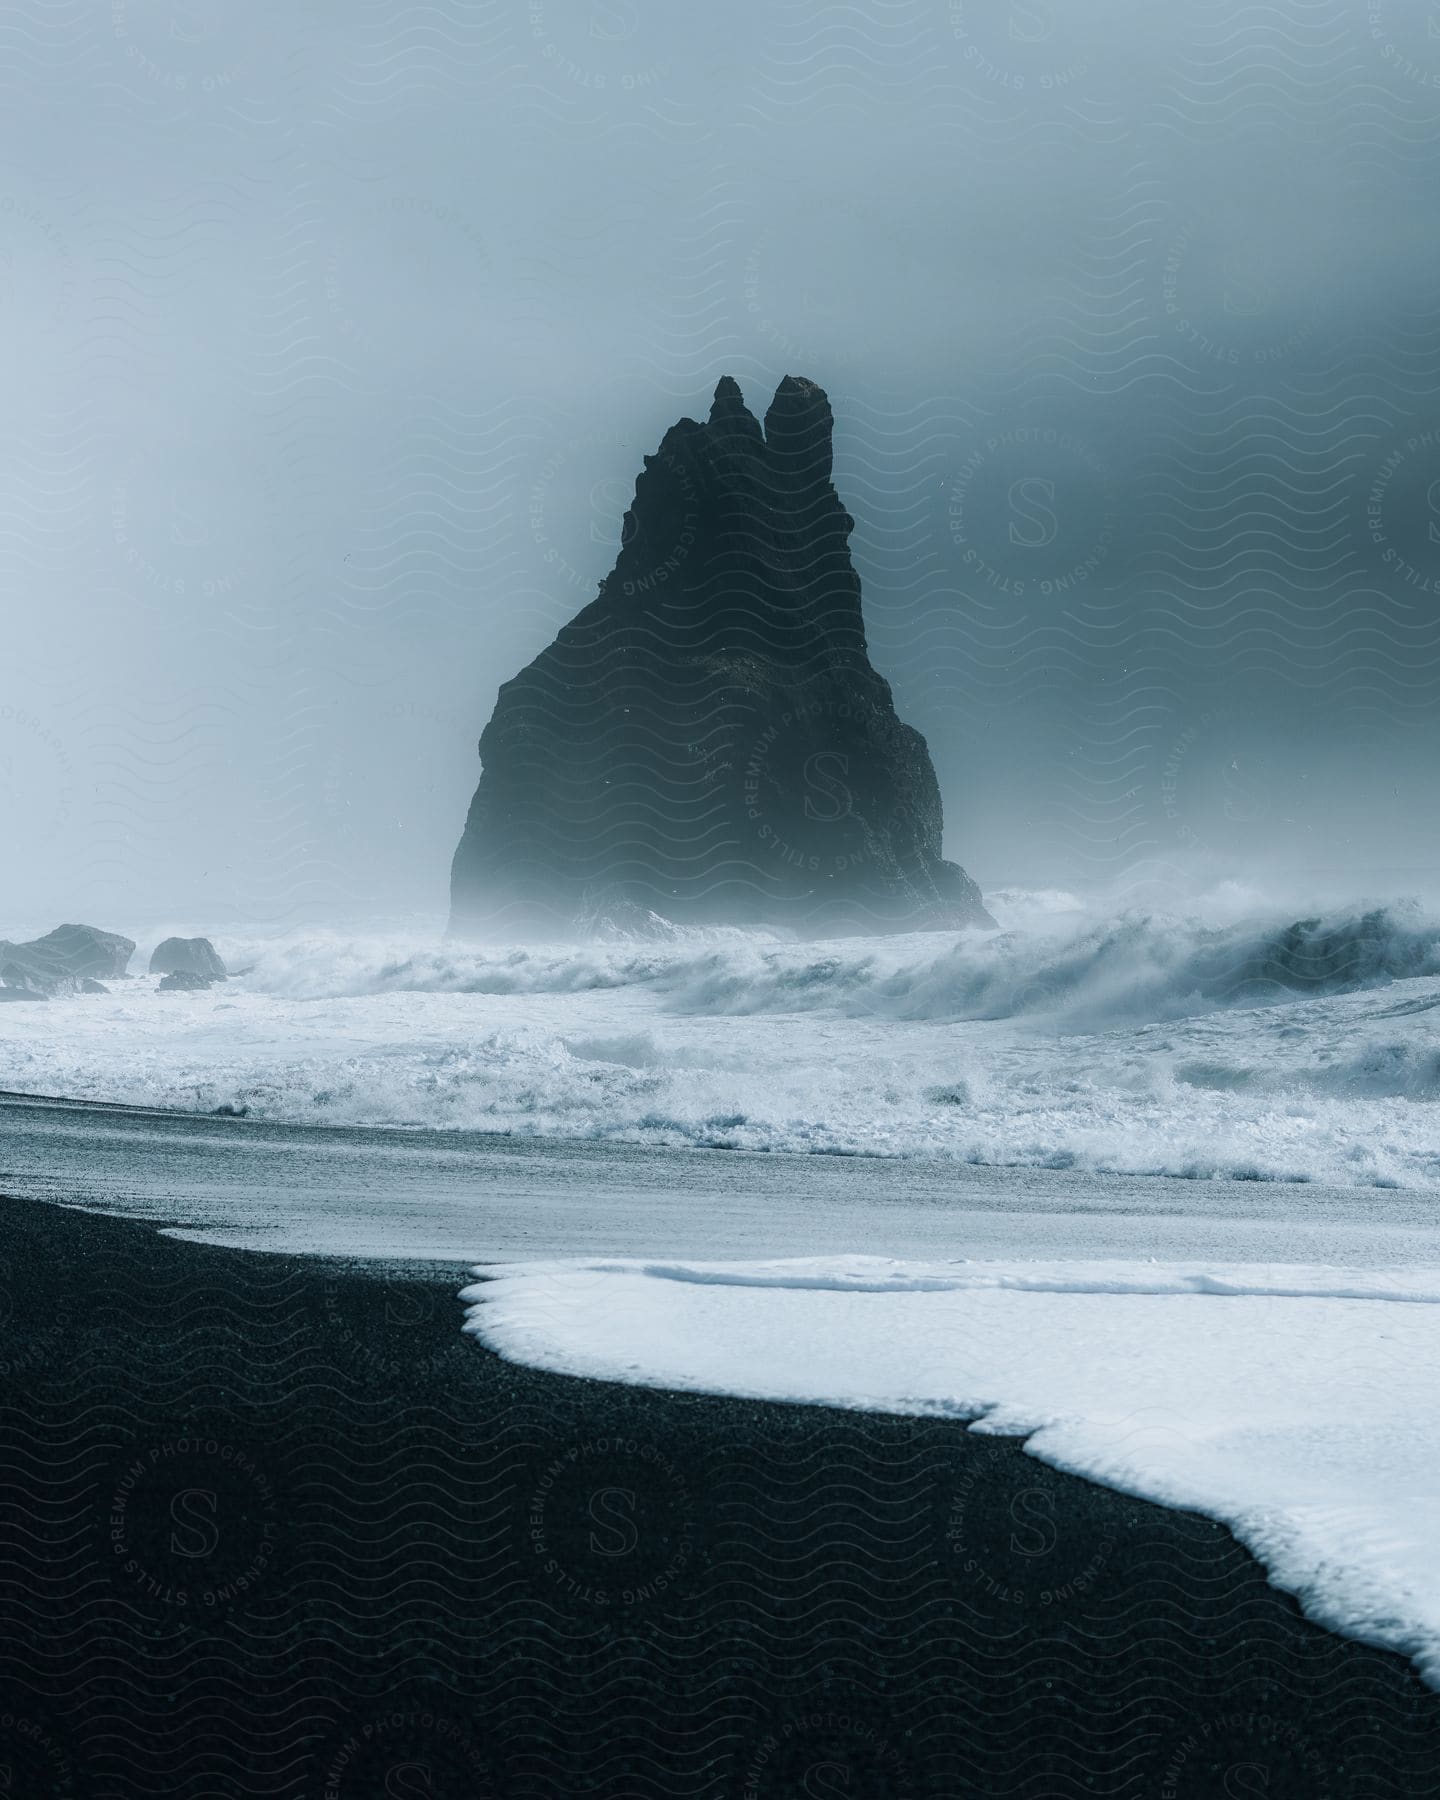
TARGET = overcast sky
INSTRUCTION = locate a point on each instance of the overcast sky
(333, 335)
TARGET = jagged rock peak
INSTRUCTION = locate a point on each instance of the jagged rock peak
(707, 741)
(797, 396)
(729, 413)
(799, 428)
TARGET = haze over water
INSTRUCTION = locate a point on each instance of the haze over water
(346, 330)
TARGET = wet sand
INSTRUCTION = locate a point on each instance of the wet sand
(271, 1525)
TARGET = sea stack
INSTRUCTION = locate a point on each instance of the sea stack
(707, 742)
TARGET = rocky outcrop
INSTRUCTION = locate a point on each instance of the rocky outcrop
(184, 982)
(187, 956)
(65, 959)
(707, 741)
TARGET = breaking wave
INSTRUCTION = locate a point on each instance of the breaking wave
(1295, 1050)
(1085, 974)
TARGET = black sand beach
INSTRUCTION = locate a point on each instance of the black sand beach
(274, 1527)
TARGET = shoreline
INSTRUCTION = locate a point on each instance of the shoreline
(277, 1526)
(376, 1192)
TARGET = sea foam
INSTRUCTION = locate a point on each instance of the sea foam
(1271, 1050)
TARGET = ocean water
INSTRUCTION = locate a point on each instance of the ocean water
(1229, 1040)
(1017, 1094)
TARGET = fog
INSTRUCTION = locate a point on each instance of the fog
(333, 337)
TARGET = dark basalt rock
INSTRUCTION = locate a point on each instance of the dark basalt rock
(707, 740)
(62, 960)
(184, 982)
(186, 956)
